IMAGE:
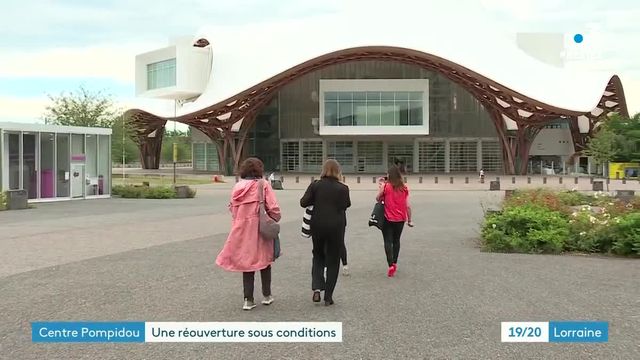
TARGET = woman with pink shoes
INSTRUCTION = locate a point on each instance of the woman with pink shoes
(394, 193)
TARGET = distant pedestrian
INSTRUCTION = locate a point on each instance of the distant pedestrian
(395, 195)
(246, 250)
(481, 175)
(330, 200)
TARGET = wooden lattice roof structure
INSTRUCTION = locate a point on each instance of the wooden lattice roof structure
(235, 114)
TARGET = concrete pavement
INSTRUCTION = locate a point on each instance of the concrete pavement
(153, 260)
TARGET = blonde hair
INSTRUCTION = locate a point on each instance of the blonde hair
(331, 168)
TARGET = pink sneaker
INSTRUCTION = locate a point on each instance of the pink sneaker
(392, 270)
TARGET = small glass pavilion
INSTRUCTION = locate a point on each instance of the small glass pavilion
(53, 162)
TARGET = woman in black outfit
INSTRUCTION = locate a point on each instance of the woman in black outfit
(330, 200)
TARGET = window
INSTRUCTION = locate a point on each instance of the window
(491, 156)
(342, 151)
(463, 156)
(291, 156)
(370, 157)
(312, 156)
(199, 162)
(161, 74)
(431, 156)
(373, 108)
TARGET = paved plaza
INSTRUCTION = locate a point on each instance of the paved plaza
(153, 260)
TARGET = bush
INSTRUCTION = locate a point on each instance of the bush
(3, 200)
(192, 193)
(586, 231)
(143, 192)
(624, 235)
(538, 197)
(529, 229)
(160, 193)
(575, 198)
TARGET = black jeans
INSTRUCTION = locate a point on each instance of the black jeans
(391, 231)
(248, 279)
(328, 247)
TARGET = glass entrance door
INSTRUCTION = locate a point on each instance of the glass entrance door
(77, 181)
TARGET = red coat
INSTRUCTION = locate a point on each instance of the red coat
(245, 250)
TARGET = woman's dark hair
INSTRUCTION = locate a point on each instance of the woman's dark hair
(252, 168)
(395, 178)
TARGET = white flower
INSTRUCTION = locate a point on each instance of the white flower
(610, 204)
(571, 221)
(583, 233)
(604, 222)
(617, 220)
(574, 214)
(493, 226)
(592, 219)
(607, 215)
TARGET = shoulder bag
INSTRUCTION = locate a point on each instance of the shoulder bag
(268, 227)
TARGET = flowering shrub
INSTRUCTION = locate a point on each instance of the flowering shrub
(541, 221)
(538, 197)
(623, 236)
(527, 228)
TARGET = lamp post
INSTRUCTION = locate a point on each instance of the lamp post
(175, 145)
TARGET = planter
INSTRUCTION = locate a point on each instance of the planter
(17, 200)
(182, 192)
(494, 185)
(598, 186)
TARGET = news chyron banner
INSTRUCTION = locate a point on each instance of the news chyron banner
(138, 332)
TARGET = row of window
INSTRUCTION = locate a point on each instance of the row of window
(463, 156)
(340, 96)
(161, 74)
(384, 109)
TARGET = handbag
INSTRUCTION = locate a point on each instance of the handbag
(267, 227)
(306, 221)
(377, 215)
(377, 218)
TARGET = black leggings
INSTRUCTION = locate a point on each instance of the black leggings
(391, 231)
(248, 279)
(343, 255)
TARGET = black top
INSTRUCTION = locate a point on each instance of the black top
(330, 200)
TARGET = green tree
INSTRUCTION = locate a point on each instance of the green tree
(627, 131)
(81, 108)
(123, 144)
(184, 146)
(603, 146)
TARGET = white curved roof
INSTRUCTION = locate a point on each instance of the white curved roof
(245, 56)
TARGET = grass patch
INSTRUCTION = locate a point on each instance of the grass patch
(158, 180)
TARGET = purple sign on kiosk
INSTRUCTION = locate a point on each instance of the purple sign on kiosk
(80, 157)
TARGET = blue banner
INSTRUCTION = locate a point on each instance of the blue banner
(578, 331)
(83, 332)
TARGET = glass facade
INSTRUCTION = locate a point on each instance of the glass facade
(63, 152)
(12, 151)
(53, 165)
(461, 136)
(161, 74)
(47, 165)
(205, 157)
(373, 108)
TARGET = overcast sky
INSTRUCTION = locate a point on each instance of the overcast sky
(48, 46)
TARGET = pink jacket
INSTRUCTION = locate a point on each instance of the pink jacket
(245, 250)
